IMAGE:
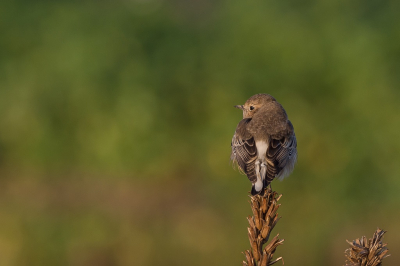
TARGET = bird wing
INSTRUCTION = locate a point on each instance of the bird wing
(281, 153)
(244, 150)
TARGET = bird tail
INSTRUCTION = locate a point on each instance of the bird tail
(262, 182)
(258, 187)
(256, 192)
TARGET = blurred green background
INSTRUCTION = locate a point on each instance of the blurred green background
(117, 117)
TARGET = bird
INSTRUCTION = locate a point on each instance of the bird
(264, 145)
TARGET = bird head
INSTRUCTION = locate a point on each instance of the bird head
(254, 104)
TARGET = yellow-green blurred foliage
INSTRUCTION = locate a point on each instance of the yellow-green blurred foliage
(117, 116)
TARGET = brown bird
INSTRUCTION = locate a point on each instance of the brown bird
(264, 144)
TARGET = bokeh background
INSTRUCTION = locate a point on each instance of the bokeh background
(117, 116)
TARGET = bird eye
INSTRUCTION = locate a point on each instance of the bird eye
(251, 108)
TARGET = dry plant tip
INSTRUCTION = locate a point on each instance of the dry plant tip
(369, 253)
(264, 209)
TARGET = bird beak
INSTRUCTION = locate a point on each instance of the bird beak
(239, 106)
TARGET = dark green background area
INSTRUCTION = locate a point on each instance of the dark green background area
(117, 116)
